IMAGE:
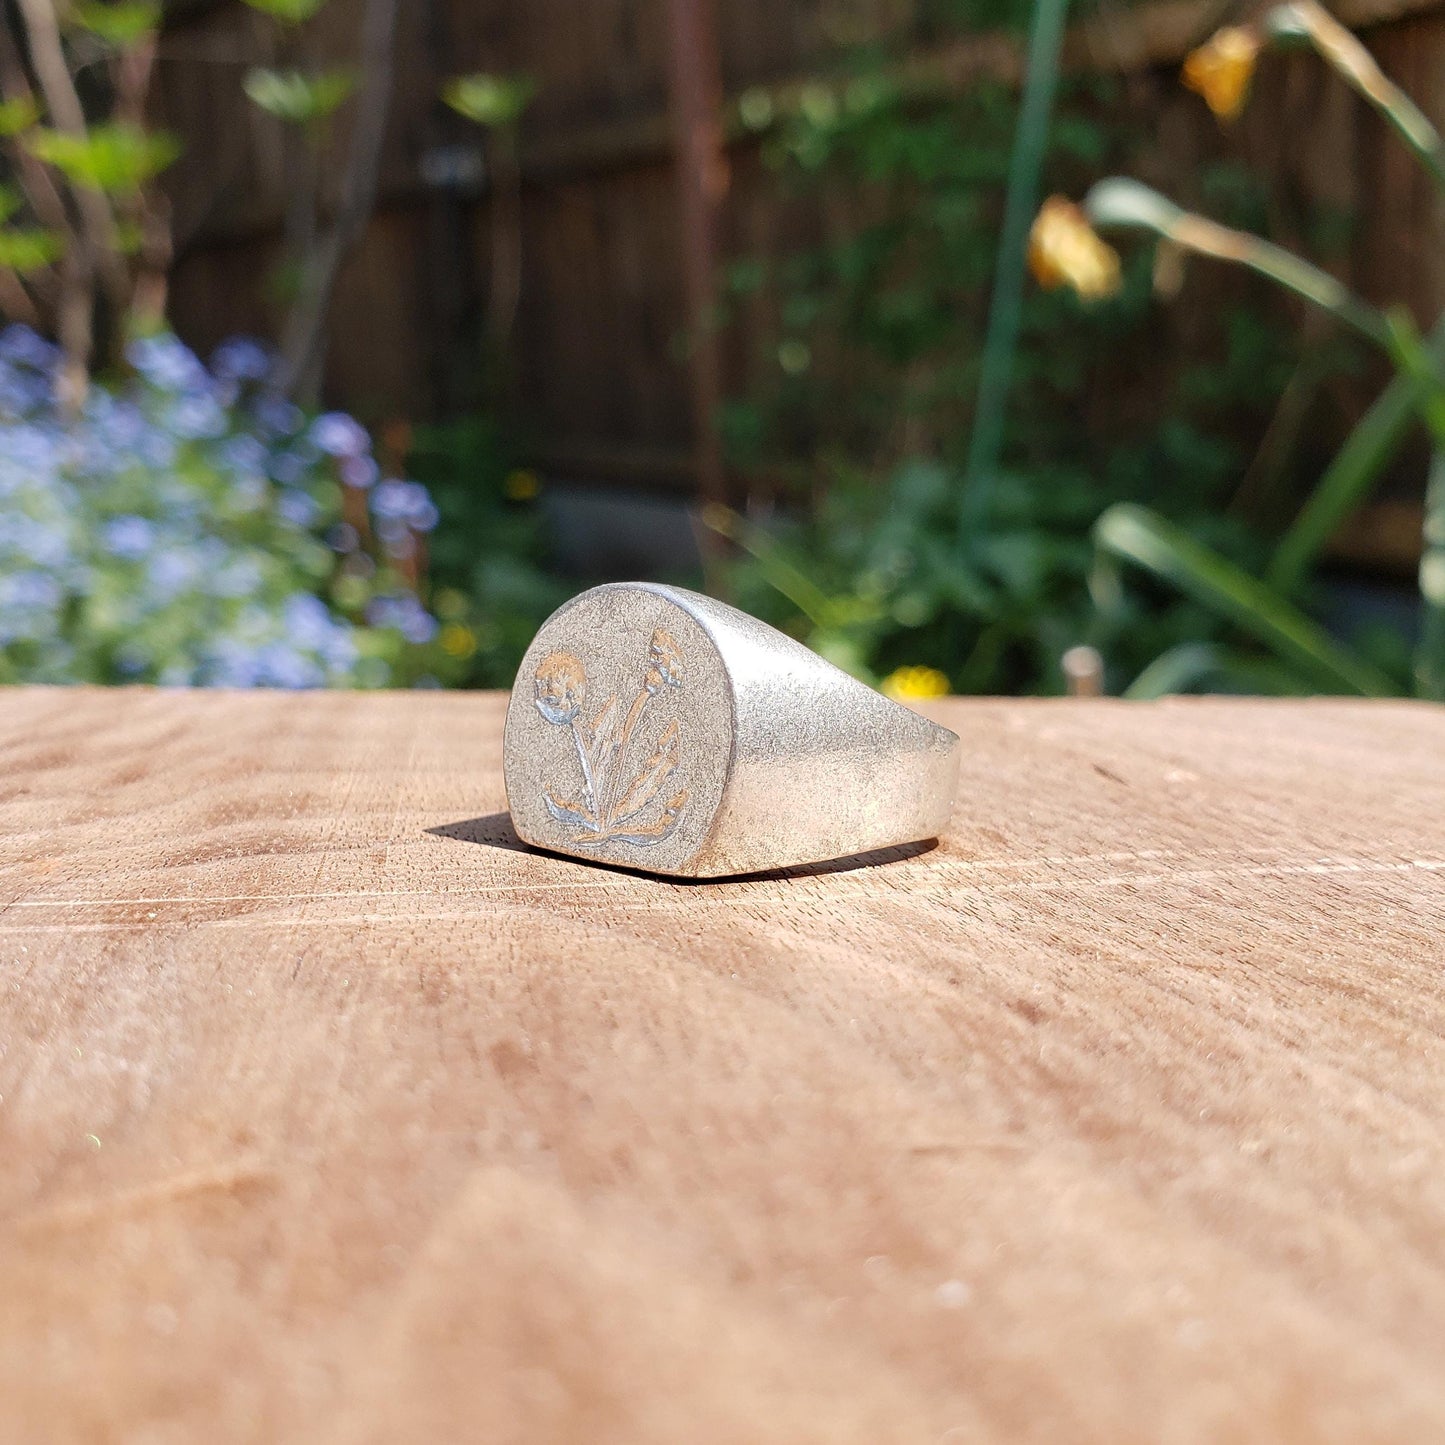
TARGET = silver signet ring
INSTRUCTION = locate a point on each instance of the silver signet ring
(654, 728)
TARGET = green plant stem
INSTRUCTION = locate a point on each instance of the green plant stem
(1021, 200)
(1121, 203)
(1309, 21)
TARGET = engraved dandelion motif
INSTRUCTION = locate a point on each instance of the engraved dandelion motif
(614, 796)
(561, 687)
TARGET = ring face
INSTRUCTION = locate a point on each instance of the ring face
(654, 728)
(619, 732)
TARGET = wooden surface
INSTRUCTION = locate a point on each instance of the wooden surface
(331, 1115)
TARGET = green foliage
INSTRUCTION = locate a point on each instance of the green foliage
(29, 248)
(492, 589)
(114, 157)
(120, 23)
(1265, 611)
(1136, 535)
(17, 115)
(289, 12)
(863, 404)
(297, 97)
(491, 100)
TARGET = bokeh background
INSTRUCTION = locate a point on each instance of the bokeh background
(346, 338)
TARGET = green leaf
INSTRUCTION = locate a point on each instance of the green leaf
(494, 100)
(296, 97)
(1135, 534)
(115, 158)
(120, 23)
(290, 12)
(1351, 477)
(17, 115)
(129, 238)
(29, 248)
(1121, 202)
(1413, 359)
(1192, 663)
(777, 569)
(10, 201)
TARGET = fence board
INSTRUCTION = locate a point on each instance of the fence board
(601, 310)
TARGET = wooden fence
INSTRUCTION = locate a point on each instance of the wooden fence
(599, 374)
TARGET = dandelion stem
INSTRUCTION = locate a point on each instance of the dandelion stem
(584, 757)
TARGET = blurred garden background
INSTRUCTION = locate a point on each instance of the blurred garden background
(984, 345)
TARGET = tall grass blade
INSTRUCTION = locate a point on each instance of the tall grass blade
(1046, 38)
(1137, 535)
(777, 570)
(1346, 483)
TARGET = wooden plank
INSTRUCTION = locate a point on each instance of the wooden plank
(1383, 538)
(328, 1113)
(634, 130)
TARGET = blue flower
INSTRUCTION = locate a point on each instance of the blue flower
(298, 508)
(21, 345)
(128, 537)
(243, 454)
(359, 472)
(282, 665)
(390, 499)
(339, 435)
(167, 363)
(343, 537)
(171, 573)
(239, 358)
(194, 416)
(277, 417)
(395, 536)
(173, 530)
(287, 468)
(340, 651)
(31, 591)
(306, 620)
(403, 612)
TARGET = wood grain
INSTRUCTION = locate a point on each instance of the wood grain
(327, 1113)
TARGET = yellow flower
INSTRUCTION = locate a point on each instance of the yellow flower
(915, 682)
(1221, 69)
(521, 485)
(1065, 250)
(458, 641)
